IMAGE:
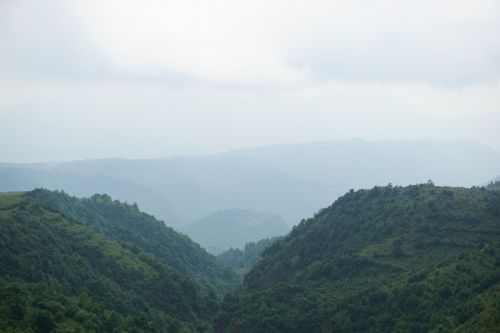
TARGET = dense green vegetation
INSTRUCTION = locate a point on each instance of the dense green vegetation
(241, 261)
(59, 273)
(234, 228)
(124, 222)
(420, 258)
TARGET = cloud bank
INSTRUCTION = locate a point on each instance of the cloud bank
(151, 78)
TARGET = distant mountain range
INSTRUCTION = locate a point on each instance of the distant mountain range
(25, 178)
(292, 181)
(233, 228)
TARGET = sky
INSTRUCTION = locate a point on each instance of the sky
(146, 79)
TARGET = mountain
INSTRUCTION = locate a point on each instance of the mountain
(241, 261)
(234, 228)
(292, 181)
(125, 223)
(420, 258)
(61, 273)
(26, 179)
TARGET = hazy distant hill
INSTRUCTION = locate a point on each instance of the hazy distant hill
(241, 261)
(97, 265)
(26, 179)
(294, 181)
(234, 228)
(420, 258)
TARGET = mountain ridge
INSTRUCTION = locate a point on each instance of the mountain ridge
(416, 258)
(61, 274)
(294, 181)
(124, 222)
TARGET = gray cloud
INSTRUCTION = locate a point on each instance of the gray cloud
(438, 42)
(141, 79)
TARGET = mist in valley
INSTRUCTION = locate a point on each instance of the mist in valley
(249, 166)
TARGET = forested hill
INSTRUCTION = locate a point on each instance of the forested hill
(59, 274)
(124, 222)
(81, 265)
(419, 258)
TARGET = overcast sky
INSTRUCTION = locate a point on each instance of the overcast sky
(141, 79)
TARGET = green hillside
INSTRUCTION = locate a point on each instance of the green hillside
(58, 274)
(123, 222)
(234, 228)
(391, 259)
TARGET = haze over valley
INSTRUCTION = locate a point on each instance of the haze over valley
(292, 181)
(249, 166)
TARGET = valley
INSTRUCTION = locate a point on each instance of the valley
(375, 260)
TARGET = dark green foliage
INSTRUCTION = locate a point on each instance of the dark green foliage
(392, 259)
(58, 274)
(240, 261)
(124, 222)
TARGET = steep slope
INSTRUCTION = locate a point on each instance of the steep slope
(294, 181)
(234, 228)
(126, 223)
(391, 259)
(58, 274)
(27, 179)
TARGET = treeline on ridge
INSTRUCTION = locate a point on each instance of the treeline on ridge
(420, 258)
(82, 265)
